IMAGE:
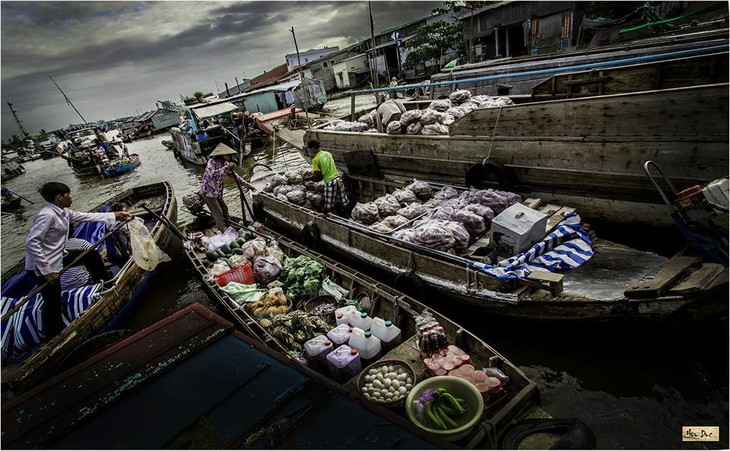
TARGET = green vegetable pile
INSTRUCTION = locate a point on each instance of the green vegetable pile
(302, 279)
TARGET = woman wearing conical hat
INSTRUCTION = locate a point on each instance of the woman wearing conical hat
(211, 189)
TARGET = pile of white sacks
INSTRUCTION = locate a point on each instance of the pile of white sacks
(446, 220)
(434, 120)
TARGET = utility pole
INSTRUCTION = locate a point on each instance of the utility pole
(374, 60)
(17, 121)
(301, 77)
(67, 99)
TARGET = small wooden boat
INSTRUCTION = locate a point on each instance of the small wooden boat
(616, 283)
(84, 155)
(238, 393)
(588, 151)
(123, 166)
(518, 401)
(10, 203)
(194, 145)
(26, 359)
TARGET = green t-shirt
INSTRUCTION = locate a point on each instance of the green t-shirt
(324, 163)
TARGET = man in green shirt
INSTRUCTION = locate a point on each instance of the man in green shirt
(324, 169)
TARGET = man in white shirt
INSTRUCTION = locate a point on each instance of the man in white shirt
(44, 256)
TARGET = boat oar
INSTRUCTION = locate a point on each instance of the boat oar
(243, 198)
(24, 198)
(22, 301)
(166, 222)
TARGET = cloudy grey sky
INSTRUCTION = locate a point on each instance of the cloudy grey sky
(115, 59)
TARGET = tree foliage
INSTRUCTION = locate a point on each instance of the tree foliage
(456, 8)
(433, 41)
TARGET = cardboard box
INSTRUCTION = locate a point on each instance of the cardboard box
(517, 228)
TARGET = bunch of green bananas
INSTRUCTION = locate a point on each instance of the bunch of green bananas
(443, 407)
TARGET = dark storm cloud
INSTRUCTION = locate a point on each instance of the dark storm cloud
(117, 58)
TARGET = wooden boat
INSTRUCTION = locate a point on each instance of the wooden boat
(122, 166)
(616, 283)
(82, 156)
(32, 362)
(238, 393)
(197, 143)
(520, 75)
(518, 401)
(589, 151)
(10, 203)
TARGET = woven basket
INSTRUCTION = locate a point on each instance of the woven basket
(316, 301)
(391, 404)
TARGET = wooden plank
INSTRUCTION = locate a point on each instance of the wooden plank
(547, 281)
(557, 217)
(675, 269)
(698, 280)
(532, 202)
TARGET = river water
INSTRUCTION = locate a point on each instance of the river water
(634, 386)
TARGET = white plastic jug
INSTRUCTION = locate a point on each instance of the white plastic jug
(343, 314)
(363, 321)
(344, 363)
(390, 335)
(340, 335)
(368, 345)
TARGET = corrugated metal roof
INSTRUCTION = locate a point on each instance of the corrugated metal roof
(214, 110)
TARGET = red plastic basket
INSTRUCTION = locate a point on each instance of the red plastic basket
(242, 274)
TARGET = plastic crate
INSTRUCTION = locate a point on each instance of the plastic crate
(242, 274)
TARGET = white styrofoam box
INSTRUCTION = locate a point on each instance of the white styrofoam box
(517, 228)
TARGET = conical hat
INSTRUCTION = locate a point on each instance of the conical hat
(222, 149)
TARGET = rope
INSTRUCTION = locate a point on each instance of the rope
(494, 131)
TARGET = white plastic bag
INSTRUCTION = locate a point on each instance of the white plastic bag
(145, 252)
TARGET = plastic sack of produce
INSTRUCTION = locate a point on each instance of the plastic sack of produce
(219, 239)
(266, 269)
(394, 128)
(412, 211)
(410, 117)
(414, 128)
(366, 213)
(293, 177)
(440, 105)
(296, 196)
(242, 293)
(405, 196)
(145, 252)
(422, 190)
(435, 129)
(332, 289)
(387, 205)
(459, 97)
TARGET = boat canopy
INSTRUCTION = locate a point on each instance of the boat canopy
(214, 110)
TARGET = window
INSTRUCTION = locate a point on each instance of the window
(325, 64)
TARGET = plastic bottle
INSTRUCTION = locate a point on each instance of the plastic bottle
(363, 321)
(390, 336)
(343, 314)
(317, 349)
(368, 345)
(344, 363)
(340, 335)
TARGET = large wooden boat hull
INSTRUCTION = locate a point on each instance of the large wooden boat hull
(589, 151)
(236, 389)
(521, 399)
(596, 291)
(120, 298)
(521, 75)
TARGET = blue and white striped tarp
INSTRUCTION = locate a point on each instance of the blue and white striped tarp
(24, 329)
(566, 247)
